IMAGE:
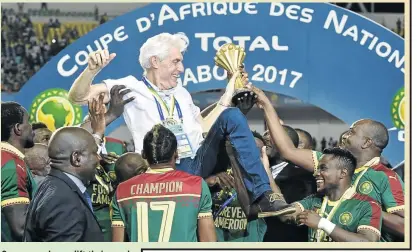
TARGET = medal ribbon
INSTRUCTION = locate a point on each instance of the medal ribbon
(320, 233)
(159, 101)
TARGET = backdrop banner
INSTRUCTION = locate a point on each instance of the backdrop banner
(319, 53)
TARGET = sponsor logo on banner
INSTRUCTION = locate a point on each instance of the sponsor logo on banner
(53, 108)
(398, 113)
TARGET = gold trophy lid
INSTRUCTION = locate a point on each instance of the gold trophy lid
(229, 55)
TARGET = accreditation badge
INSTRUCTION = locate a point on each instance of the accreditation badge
(184, 146)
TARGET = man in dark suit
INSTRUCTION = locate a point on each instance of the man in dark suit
(61, 209)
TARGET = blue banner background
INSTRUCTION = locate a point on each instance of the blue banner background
(339, 75)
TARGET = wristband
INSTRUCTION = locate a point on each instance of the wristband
(326, 225)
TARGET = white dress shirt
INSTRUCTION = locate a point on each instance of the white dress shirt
(142, 113)
(77, 182)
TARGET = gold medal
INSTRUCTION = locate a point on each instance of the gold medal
(170, 122)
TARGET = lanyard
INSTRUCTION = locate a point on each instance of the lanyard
(320, 233)
(159, 101)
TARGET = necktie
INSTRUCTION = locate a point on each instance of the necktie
(87, 197)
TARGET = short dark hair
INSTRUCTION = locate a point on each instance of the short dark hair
(345, 158)
(258, 136)
(307, 135)
(292, 134)
(159, 145)
(11, 114)
(39, 125)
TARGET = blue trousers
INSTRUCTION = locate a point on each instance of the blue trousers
(232, 124)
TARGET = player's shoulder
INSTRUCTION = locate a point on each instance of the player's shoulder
(8, 156)
(314, 198)
(382, 168)
(380, 171)
(365, 200)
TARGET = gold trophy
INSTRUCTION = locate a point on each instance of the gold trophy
(230, 57)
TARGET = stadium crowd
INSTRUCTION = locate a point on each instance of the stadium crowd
(195, 175)
(24, 51)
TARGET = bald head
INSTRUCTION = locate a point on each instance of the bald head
(305, 139)
(73, 150)
(67, 140)
(375, 131)
(365, 139)
(129, 165)
(38, 160)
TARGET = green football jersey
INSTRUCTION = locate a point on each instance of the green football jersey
(231, 223)
(378, 182)
(100, 191)
(358, 212)
(161, 206)
(114, 146)
(17, 184)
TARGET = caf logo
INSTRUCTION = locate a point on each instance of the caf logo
(398, 108)
(345, 218)
(53, 108)
(366, 187)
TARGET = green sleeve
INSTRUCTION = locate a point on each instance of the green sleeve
(204, 208)
(116, 215)
(14, 183)
(392, 191)
(309, 203)
(316, 155)
(371, 217)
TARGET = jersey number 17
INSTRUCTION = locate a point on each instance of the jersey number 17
(168, 208)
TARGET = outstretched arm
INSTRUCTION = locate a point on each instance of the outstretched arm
(300, 157)
(82, 89)
(224, 103)
(116, 107)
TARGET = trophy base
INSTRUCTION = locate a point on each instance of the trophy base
(240, 93)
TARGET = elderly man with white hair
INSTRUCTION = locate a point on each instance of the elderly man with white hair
(158, 99)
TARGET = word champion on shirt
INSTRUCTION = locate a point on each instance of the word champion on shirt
(157, 188)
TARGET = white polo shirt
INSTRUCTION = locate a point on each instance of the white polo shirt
(142, 113)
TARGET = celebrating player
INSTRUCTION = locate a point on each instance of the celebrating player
(366, 139)
(338, 213)
(162, 205)
(17, 184)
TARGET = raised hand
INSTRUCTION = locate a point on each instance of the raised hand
(117, 102)
(97, 110)
(99, 59)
